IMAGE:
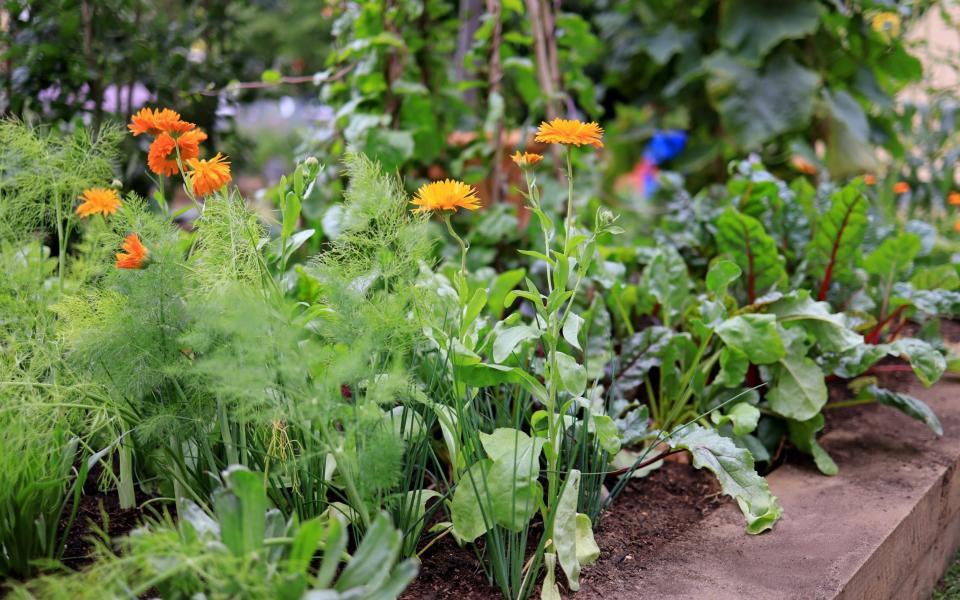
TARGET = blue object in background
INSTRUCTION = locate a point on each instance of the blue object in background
(665, 145)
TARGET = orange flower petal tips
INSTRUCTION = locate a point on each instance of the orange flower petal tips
(98, 201)
(570, 132)
(445, 195)
(135, 255)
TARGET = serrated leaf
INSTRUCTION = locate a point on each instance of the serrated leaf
(733, 467)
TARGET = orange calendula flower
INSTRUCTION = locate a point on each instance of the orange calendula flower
(803, 165)
(870, 179)
(136, 254)
(162, 158)
(526, 159)
(564, 131)
(99, 201)
(954, 198)
(901, 187)
(956, 225)
(445, 195)
(207, 176)
(155, 122)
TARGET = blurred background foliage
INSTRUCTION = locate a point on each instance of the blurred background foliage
(437, 88)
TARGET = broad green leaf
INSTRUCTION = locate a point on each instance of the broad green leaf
(927, 362)
(373, 560)
(565, 529)
(850, 150)
(803, 434)
(893, 256)
(797, 388)
(830, 329)
(945, 303)
(666, 279)
(335, 543)
(608, 436)
(944, 277)
(509, 338)
(470, 509)
(721, 274)
(587, 549)
(744, 239)
(742, 416)
(572, 374)
(756, 106)
(473, 309)
(733, 367)
(571, 329)
(502, 285)
(485, 375)
(734, 469)
(910, 406)
(512, 480)
(755, 335)
(754, 27)
(839, 234)
(639, 354)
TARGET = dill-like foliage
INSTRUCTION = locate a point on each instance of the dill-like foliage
(42, 174)
(226, 248)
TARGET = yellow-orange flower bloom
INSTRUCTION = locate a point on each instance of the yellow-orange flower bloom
(803, 165)
(870, 179)
(888, 22)
(954, 198)
(99, 201)
(564, 131)
(136, 254)
(956, 225)
(207, 176)
(445, 195)
(901, 187)
(155, 122)
(162, 158)
(526, 159)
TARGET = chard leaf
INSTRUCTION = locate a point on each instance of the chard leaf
(910, 406)
(838, 236)
(742, 416)
(666, 279)
(753, 28)
(733, 467)
(755, 335)
(893, 256)
(830, 329)
(640, 353)
(721, 274)
(803, 434)
(755, 252)
(798, 390)
(945, 303)
(733, 367)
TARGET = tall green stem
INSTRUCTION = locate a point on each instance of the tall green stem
(464, 246)
(569, 228)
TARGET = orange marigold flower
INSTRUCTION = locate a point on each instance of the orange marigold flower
(162, 158)
(954, 198)
(564, 131)
(154, 122)
(445, 195)
(870, 179)
(136, 254)
(526, 159)
(956, 225)
(208, 176)
(99, 201)
(803, 165)
(901, 187)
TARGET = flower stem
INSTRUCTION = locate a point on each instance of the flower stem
(464, 246)
(569, 228)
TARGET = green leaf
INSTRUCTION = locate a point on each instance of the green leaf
(571, 330)
(509, 338)
(849, 147)
(473, 309)
(910, 406)
(755, 335)
(502, 285)
(572, 374)
(742, 416)
(667, 280)
(754, 27)
(744, 239)
(512, 485)
(893, 256)
(798, 390)
(550, 591)
(565, 529)
(803, 434)
(305, 544)
(838, 236)
(470, 509)
(639, 353)
(943, 277)
(721, 274)
(927, 362)
(734, 469)
(756, 106)
(374, 558)
(733, 367)
(830, 329)
(608, 436)
(587, 549)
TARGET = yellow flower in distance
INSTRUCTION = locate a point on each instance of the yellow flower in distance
(445, 195)
(207, 176)
(887, 22)
(99, 201)
(526, 159)
(565, 131)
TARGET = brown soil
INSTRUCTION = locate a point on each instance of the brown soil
(649, 514)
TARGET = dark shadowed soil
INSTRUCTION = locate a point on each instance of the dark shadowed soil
(647, 515)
